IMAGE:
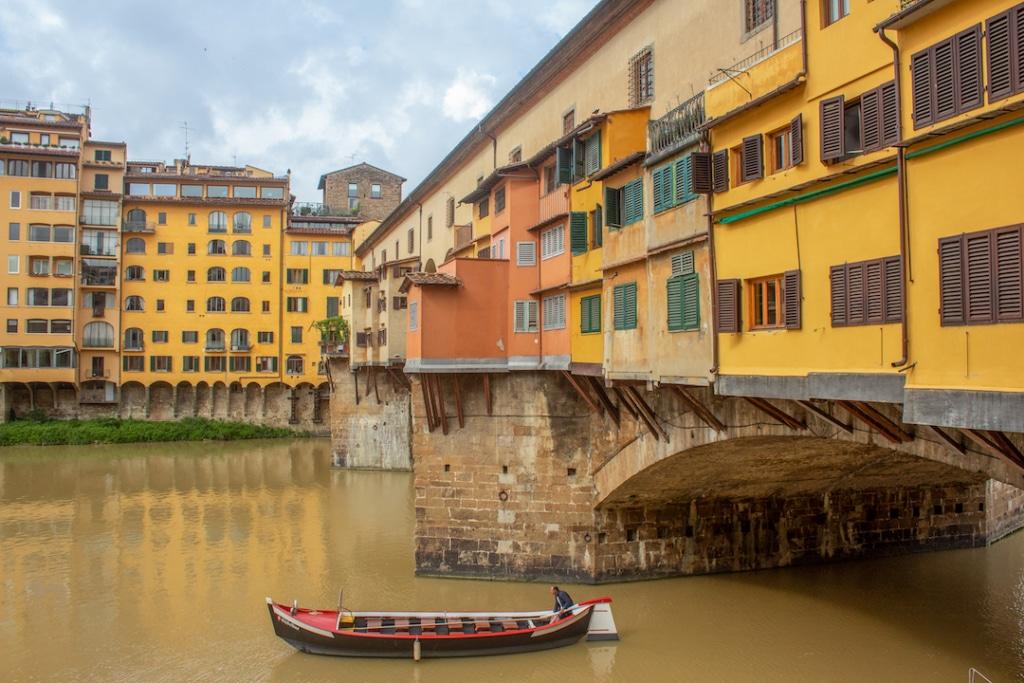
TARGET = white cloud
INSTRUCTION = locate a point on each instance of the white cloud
(468, 97)
(562, 15)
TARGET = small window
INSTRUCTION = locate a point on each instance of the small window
(102, 155)
(245, 191)
(296, 332)
(101, 181)
(781, 150)
(624, 306)
(590, 314)
(568, 121)
(353, 190)
(516, 155)
(765, 303)
(217, 191)
(554, 312)
(552, 242)
(526, 253)
(19, 137)
(189, 337)
(297, 276)
(165, 247)
(641, 77)
(294, 365)
(160, 336)
(265, 337)
(191, 190)
(161, 276)
(499, 200)
(834, 10)
(375, 191)
(266, 220)
(758, 13)
(524, 316)
(483, 208)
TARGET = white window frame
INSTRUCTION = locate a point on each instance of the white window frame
(524, 316)
(13, 264)
(552, 242)
(554, 312)
(526, 254)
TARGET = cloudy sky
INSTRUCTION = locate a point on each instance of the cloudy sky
(296, 84)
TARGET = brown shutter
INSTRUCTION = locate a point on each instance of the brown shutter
(855, 314)
(752, 158)
(967, 51)
(796, 140)
(944, 78)
(1017, 46)
(1000, 72)
(951, 281)
(837, 275)
(832, 144)
(873, 306)
(791, 299)
(893, 285)
(978, 277)
(923, 88)
(1009, 287)
(720, 170)
(728, 306)
(890, 113)
(870, 120)
(700, 165)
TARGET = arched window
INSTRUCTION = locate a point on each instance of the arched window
(135, 245)
(243, 222)
(216, 247)
(293, 366)
(215, 339)
(133, 339)
(134, 303)
(241, 248)
(239, 305)
(136, 220)
(134, 273)
(215, 274)
(98, 334)
(239, 340)
(215, 304)
(240, 274)
(218, 221)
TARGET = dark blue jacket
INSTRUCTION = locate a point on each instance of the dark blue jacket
(563, 601)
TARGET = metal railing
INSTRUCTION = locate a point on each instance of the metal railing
(907, 3)
(319, 209)
(677, 125)
(747, 62)
(138, 226)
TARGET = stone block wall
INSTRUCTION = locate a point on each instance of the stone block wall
(364, 175)
(373, 432)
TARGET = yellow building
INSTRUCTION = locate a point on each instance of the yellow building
(39, 175)
(201, 275)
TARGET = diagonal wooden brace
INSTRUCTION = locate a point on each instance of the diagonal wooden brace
(582, 392)
(776, 414)
(699, 409)
(827, 416)
(647, 413)
(605, 400)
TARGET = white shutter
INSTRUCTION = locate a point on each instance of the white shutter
(531, 307)
(414, 309)
(526, 253)
(554, 312)
(519, 316)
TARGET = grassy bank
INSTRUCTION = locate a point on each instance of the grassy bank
(113, 430)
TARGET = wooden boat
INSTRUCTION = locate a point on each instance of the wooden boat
(413, 635)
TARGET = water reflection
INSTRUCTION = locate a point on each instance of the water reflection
(151, 563)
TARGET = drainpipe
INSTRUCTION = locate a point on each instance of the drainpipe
(494, 145)
(803, 34)
(712, 272)
(901, 185)
(420, 251)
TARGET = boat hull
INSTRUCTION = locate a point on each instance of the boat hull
(402, 646)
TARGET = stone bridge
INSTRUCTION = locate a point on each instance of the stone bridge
(538, 475)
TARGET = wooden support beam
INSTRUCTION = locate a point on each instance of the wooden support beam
(776, 414)
(948, 439)
(487, 394)
(369, 374)
(400, 377)
(827, 416)
(355, 383)
(871, 417)
(458, 403)
(428, 406)
(904, 435)
(625, 401)
(997, 443)
(376, 393)
(647, 412)
(602, 397)
(699, 409)
(639, 415)
(583, 394)
(440, 400)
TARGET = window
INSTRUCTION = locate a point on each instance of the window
(342, 248)
(134, 303)
(102, 155)
(353, 190)
(245, 191)
(159, 304)
(499, 200)
(765, 304)
(641, 77)
(189, 337)
(758, 12)
(240, 274)
(241, 248)
(568, 121)
(217, 221)
(749, 159)
(239, 339)
(215, 364)
(590, 314)
(191, 248)
(38, 296)
(297, 276)
(216, 248)
(14, 231)
(60, 297)
(414, 316)
(14, 265)
(625, 205)
(242, 222)
(375, 191)
(190, 305)
(319, 248)
(240, 364)
(552, 242)
(39, 233)
(19, 137)
(134, 274)
(266, 363)
(42, 169)
(266, 220)
(265, 306)
(296, 332)
(12, 326)
(265, 337)
(524, 316)
(240, 304)
(214, 339)
(299, 248)
(946, 78)
(683, 294)
(101, 181)
(265, 277)
(63, 233)
(217, 191)
(834, 10)
(483, 207)
(550, 179)
(101, 212)
(587, 155)
(61, 327)
(165, 247)
(63, 202)
(294, 365)
(191, 190)
(624, 306)
(135, 245)
(40, 201)
(160, 364)
(138, 189)
(161, 275)
(161, 218)
(526, 253)
(332, 306)
(15, 199)
(160, 336)
(12, 296)
(215, 304)
(297, 304)
(980, 277)
(450, 212)
(272, 192)
(215, 274)
(134, 363)
(266, 250)
(63, 267)
(190, 363)
(37, 326)
(554, 312)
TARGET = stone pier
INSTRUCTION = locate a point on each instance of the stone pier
(370, 418)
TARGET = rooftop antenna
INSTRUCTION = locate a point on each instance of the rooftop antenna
(184, 127)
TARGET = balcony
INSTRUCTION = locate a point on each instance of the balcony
(98, 219)
(139, 226)
(678, 127)
(240, 348)
(98, 249)
(318, 209)
(214, 346)
(765, 73)
(94, 275)
(134, 345)
(334, 350)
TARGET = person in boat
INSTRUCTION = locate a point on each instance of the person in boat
(563, 600)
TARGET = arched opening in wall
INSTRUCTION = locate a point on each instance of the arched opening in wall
(66, 399)
(236, 401)
(303, 413)
(219, 400)
(276, 406)
(161, 401)
(20, 399)
(204, 399)
(133, 400)
(430, 267)
(184, 400)
(43, 396)
(322, 403)
(253, 401)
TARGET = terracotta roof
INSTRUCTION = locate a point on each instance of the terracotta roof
(428, 279)
(355, 275)
(484, 187)
(549, 288)
(550, 220)
(620, 165)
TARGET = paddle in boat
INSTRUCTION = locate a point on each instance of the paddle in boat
(414, 635)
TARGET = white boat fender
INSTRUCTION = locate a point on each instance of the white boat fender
(602, 623)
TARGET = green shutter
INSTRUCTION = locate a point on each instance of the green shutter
(658, 178)
(633, 201)
(578, 232)
(590, 314)
(675, 303)
(624, 302)
(597, 239)
(613, 207)
(684, 180)
(691, 301)
(579, 153)
(592, 154)
(563, 160)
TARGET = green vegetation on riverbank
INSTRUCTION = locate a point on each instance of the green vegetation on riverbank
(114, 430)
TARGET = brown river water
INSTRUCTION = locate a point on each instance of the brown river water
(151, 562)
